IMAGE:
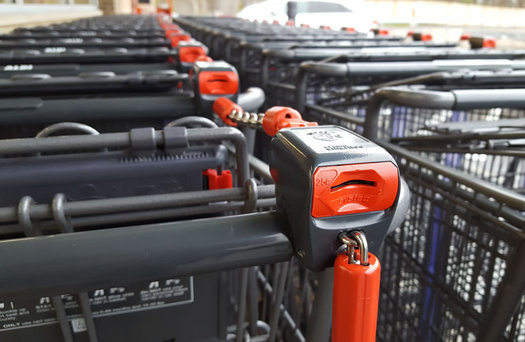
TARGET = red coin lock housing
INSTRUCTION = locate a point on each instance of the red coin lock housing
(212, 80)
(330, 180)
(354, 188)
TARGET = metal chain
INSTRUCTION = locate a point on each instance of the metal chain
(253, 120)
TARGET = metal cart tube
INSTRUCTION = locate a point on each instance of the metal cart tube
(140, 253)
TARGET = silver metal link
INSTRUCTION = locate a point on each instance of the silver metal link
(355, 240)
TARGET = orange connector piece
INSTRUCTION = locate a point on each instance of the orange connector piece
(277, 118)
(223, 108)
(426, 37)
(489, 43)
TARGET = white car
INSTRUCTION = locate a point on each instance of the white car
(334, 13)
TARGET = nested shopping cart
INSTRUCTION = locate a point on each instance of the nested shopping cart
(345, 90)
(110, 102)
(451, 271)
(281, 73)
(124, 281)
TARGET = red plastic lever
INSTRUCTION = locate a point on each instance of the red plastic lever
(355, 300)
(216, 181)
(223, 108)
(277, 118)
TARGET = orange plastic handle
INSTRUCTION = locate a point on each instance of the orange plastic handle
(355, 300)
(223, 108)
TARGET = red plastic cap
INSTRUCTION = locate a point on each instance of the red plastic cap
(216, 181)
(177, 38)
(349, 29)
(190, 54)
(290, 23)
(277, 118)
(410, 33)
(489, 43)
(325, 27)
(223, 108)
(218, 82)
(383, 32)
(465, 37)
(354, 188)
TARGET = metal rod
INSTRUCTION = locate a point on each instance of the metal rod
(320, 321)
(405, 97)
(252, 301)
(123, 140)
(507, 299)
(499, 193)
(86, 260)
(276, 310)
(135, 203)
(242, 305)
(260, 168)
(88, 316)
(269, 290)
(231, 134)
(62, 318)
(143, 216)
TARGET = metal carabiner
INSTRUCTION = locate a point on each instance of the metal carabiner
(355, 239)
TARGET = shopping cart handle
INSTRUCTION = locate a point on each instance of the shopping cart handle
(106, 257)
(252, 99)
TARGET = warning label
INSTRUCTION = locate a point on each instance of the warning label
(27, 313)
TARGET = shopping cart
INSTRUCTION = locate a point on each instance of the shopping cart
(341, 95)
(136, 167)
(93, 42)
(231, 242)
(279, 71)
(111, 103)
(116, 23)
(262, 64)
(451, 271)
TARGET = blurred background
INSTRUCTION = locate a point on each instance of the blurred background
(447, 19)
